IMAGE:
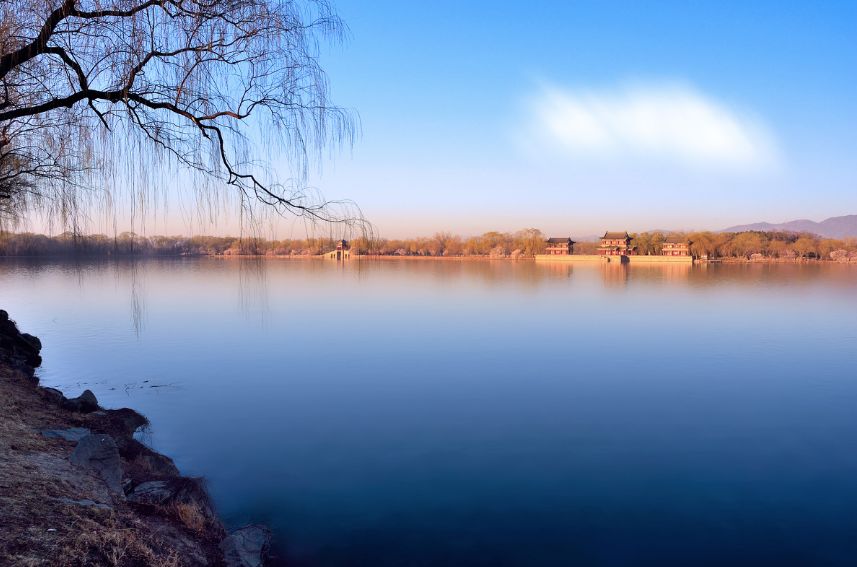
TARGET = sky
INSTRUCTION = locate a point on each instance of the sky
(577, 117)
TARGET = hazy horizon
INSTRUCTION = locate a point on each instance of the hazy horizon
(280, 230)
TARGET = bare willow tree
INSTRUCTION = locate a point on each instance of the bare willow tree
(101, 93)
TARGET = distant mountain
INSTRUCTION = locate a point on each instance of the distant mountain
(587, 238)
(834, 227)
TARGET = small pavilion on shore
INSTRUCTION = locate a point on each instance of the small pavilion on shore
(559, 246)
(676, 246)
(341, 252)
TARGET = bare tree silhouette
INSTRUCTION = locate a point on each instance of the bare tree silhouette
(98, 93)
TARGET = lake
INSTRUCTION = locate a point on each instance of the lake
(416, 413)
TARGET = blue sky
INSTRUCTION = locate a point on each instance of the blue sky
(576, 117)
(479, 115)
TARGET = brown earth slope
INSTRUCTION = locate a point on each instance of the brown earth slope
(77, 489)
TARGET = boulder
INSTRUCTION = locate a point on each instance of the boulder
(176, 490)
(71, 434)
(53, 395)
(18, 349)
(144, 463)
(151, 492)
(99, 454)
(123, 422)
(84, 403)
(247, 546)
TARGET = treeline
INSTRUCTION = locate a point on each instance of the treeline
(130, 244)
(754, 244)
(526, 242)
(521, 244)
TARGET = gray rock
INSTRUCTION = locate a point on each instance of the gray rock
(181, 490)
(247, 546)
(99, 454)
(86, 503)
(156, 464)
(151, 492)
(53, 395)
(84, 403)
(146, 463)
(126, 420)
(71, 434)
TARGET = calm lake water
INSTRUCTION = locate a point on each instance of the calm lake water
(406, 413)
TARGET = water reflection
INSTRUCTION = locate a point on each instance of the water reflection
(138, 310)
(661, 273)
(482, 413)
(253, 287)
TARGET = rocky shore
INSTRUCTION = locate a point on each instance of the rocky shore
(76, 487)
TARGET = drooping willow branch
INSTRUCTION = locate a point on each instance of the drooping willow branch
(100, 90)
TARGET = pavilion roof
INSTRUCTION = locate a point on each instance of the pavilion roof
(615, 235)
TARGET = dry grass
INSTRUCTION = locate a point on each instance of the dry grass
(115, 544)
(38, 529)
(191, 517)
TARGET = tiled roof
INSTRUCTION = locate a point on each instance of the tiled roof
(615, 235)
(560, 241)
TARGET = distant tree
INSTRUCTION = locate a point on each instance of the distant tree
(442, 244)
(530, 241)
(643, 242)
(657, 242)
(806, 246)
(703, 244)
(490, 241)
(780, 249)
(828, 245)
(747, 243)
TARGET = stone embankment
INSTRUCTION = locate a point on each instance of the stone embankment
(76, 487)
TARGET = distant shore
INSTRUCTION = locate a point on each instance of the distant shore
(414, 258)
(522, 244)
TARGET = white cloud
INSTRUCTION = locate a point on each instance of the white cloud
(665, 122)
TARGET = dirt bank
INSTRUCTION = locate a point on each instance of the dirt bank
(76, 488)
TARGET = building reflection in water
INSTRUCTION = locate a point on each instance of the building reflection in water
(558, 270)
(614, 274)
(670, 273)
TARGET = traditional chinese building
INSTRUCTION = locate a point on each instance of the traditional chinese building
(615, 244)
(676, 246)
(559, 247)
(342, 251)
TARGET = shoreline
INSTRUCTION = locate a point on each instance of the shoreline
(652, 259)
(76, 487)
